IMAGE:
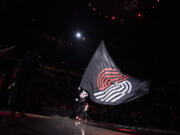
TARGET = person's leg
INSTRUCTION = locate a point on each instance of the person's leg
(14, 101)
(22, 101)
(79, 111)
(85, 116)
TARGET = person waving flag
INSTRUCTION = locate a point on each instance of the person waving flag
(105, 82)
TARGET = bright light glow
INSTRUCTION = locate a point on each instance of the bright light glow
(78, 35)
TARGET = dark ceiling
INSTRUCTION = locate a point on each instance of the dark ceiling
(139, 46)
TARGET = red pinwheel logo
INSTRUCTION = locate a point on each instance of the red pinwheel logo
(108, 76)
(113, 85)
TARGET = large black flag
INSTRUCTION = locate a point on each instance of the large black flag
(105, 82)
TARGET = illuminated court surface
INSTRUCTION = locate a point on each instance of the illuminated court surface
(42, 125)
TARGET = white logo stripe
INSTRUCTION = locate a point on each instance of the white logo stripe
(102, 92)
(112, 92)
(113, 96)
(130, 87)
(122, 93)
(109, 89)
(107, 93)
(117, 98)
(114, 100)
(115, 92)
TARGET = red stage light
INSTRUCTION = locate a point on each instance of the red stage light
(113, 17)
(89, 4)
(139, 14)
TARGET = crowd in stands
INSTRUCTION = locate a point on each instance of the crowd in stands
(56, 95)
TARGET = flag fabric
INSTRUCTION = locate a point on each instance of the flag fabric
(106, 83)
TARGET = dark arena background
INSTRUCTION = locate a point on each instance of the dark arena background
(62, 36)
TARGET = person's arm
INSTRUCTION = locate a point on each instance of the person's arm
(86, 107)
(78, 94)
(11, 86)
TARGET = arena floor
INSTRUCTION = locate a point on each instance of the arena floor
(32, 124)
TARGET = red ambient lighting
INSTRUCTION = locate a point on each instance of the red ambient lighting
(122, 129)
(139, 14)
(113, 17)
